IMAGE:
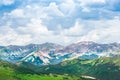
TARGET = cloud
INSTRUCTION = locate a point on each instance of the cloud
(76, 30)
(53, 10)
(6, 2)
(33, 32)
(86, 2)
(113, 5)
(67, 7)
(9, 36)
(17, 13)
(35, 27)
(61, 22)
(105, 31)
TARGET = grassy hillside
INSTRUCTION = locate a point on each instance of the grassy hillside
(102, 68)
(13, 72)
(77, 69)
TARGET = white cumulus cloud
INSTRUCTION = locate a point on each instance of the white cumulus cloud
(61, 22)
(6, 2)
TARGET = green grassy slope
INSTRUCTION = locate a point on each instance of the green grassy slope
(102, 68)
(13, 72)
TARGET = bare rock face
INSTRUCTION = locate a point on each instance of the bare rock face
(50, 53)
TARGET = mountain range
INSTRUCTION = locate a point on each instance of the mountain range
(49, 61)
(51, 53)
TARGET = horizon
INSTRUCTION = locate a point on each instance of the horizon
(59, 43)
(62, 22)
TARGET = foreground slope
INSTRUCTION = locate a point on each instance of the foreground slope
(102, 68)
(10, 71)
(77, 69)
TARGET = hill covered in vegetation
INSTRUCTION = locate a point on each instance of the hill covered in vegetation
(102, 68)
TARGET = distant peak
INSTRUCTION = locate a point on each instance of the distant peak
(49, 43)
(85, 42)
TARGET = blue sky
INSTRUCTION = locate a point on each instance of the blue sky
(60, 21)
